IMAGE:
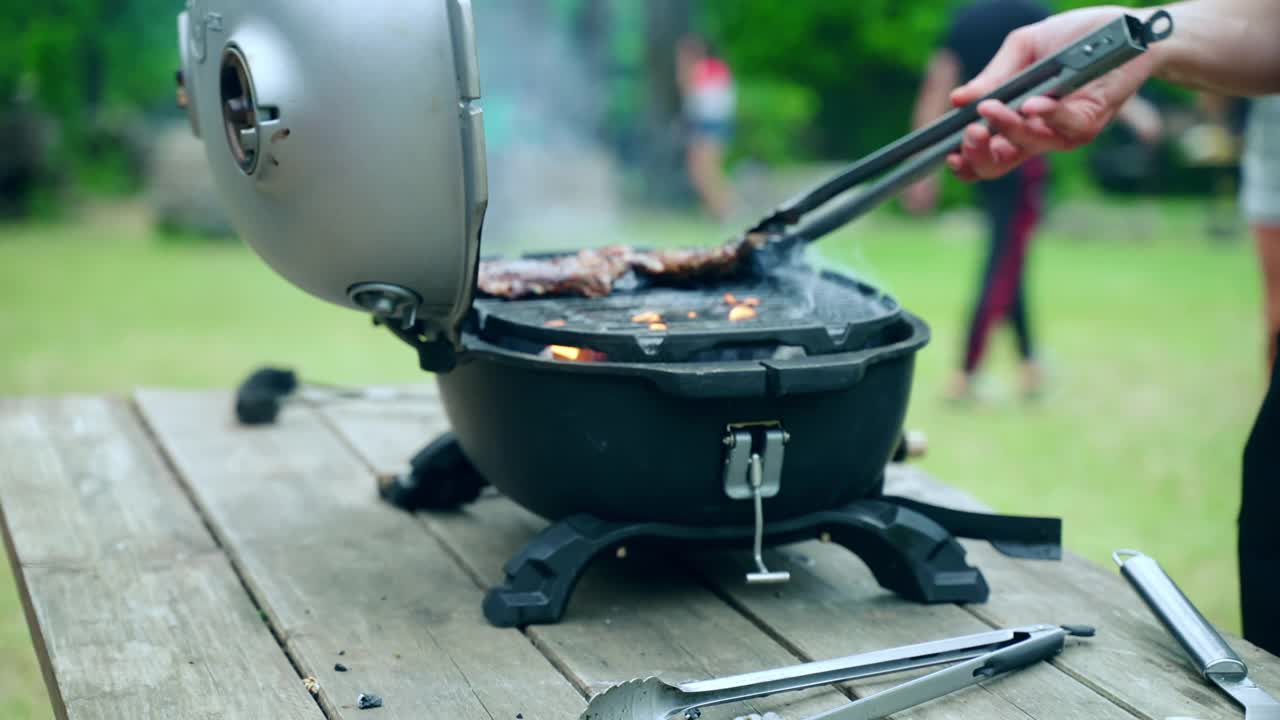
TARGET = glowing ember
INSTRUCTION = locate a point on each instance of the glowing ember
(731, 298)
(648, 316)
(573, 354)
(693, 315)
(752, 301)
(657, 326)
(556, 323)
(742, 312)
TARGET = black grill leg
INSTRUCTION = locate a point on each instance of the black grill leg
(440, 477)
(907, 552)
(541, 577)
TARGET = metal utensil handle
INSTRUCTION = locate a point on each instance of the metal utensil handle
(1085, 60)
(888, 156)
(1030, 650)
(1205, 646)
(825, 672)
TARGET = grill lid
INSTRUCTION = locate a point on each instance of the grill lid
(347, 143)
(821, 312)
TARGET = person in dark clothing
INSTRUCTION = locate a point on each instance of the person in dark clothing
(1232, 51)
(1012, 203)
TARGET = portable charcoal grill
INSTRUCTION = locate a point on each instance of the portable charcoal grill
(624, 430)
(797, 310)
(707, 432)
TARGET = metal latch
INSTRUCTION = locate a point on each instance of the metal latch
(753, 470)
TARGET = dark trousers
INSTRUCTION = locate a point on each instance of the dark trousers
(1259, 539)
(1013, 207)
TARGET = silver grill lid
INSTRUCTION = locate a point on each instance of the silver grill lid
(346, 140)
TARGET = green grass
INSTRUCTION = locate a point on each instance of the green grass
(1151, 333)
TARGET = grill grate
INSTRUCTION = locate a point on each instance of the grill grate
(819, 312)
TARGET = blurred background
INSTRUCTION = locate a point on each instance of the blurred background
(119, 269)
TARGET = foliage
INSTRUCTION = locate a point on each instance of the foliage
(79, 59)
(861, 59)
(774, 119)
(818, 80)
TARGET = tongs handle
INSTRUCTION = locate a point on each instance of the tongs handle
(1206, 647)
(1083, 61)
(1032, 647)
(863, 665)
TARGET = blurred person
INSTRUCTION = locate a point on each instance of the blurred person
(1215, 145)
(1260, 200)
(1011, 203)
(710, 101)
(1225, 46)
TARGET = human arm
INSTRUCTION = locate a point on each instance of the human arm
(1227, 46)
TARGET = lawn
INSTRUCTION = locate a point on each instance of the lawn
(1150, 331)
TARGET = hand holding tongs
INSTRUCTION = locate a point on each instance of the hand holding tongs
(978, 657)
(1085, 60)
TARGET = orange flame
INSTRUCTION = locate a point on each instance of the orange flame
(556, 323)
(742, 312)
(573, 354)
(731, 299)
(752, 301)
(657, 326)
(693, 315)
(648, 316)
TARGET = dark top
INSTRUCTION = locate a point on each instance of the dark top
(978, 29)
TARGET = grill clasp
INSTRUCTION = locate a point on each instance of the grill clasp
(753, 471)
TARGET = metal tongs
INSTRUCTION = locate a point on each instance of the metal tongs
(922, 151)
(978, 658)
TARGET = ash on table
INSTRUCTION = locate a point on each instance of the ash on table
(367, 701)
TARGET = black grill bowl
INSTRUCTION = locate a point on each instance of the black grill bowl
(643, 441)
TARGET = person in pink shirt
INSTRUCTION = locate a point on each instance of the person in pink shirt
(710, 102)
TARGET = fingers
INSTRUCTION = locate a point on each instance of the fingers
(1017, 127)
(1042, 125)
(1017, 52)
(984, 155)
(1078, 120)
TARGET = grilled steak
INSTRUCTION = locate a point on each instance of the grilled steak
(592, 272)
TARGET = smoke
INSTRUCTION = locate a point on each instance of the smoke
(553, 184)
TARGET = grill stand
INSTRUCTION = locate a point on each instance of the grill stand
(910, 547)
(907, 552)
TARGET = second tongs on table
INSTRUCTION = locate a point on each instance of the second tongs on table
(977, 658)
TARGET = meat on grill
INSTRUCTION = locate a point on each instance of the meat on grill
(589, 273)
(592, 272)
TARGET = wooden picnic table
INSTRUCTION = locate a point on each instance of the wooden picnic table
(176, 565)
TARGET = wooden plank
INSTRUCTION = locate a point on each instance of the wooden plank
(1133, 661)
(136, 611)
(345, 578)
(627, 619)
(833, 607)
